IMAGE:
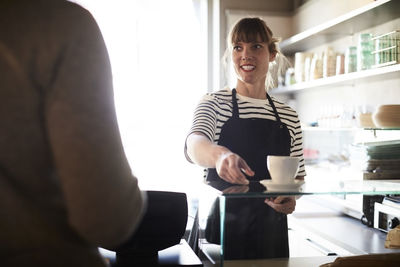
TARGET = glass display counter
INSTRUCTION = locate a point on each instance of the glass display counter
(226, 193)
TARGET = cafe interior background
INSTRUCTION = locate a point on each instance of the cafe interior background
(166, 54)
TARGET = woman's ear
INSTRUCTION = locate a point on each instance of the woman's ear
(272, 56)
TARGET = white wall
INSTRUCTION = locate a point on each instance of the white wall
(318, 11)
(280, 24)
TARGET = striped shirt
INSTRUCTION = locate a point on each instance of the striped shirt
(214, 109)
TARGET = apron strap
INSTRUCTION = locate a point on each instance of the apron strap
(274, 108)
(235, 109)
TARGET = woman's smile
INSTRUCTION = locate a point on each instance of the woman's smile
(247, 67)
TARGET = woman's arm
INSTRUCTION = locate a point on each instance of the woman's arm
(230, 166)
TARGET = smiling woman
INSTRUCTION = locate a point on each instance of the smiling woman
(158, 55)
(233, 132)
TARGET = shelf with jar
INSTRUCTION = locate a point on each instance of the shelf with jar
(368, 16)
(372, 56)
(337, 79)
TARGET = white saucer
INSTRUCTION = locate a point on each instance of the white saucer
(271, 186)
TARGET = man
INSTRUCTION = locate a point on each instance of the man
(65, 184)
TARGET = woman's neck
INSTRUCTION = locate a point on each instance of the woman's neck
(251, 90)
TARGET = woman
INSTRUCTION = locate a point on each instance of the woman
(233, 132)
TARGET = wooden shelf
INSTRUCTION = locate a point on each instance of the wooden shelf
(337, 80)
(368, 16)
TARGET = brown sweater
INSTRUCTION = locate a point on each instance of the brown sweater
(65, 184)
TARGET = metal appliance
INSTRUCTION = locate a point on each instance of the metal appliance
(387, 213)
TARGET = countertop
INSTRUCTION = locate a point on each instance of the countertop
(335, 231)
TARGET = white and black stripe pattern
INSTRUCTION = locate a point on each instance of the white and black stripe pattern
(215, 109)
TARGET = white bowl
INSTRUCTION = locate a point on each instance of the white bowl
(283, 169)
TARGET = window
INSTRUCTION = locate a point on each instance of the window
(158, 55)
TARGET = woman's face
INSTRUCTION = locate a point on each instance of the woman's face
(251, 62)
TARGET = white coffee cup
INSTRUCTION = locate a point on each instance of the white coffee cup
(283, 169)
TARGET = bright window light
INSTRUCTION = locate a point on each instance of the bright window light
(158, 55)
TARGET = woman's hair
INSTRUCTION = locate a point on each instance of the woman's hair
(249, 30)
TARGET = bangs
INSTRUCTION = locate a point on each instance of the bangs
(250, 30)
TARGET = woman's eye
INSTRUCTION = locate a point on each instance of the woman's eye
(257, 46)
(237, 48)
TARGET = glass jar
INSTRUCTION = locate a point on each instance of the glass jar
(387, 48)
(350, 59)
(365, 49)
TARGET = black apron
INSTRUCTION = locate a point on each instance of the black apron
(253, 230)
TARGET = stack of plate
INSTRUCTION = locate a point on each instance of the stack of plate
(383, 150)
(387, 116)
(384, 160)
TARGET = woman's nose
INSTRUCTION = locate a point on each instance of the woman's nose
(246, 57)
(246, 54)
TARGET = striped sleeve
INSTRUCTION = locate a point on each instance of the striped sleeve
(296, 149)
(204, 120)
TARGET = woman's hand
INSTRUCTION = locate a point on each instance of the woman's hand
(282, 204)
(231, 167)
(236, 189)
